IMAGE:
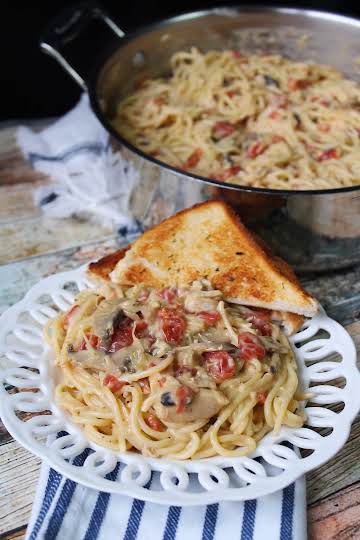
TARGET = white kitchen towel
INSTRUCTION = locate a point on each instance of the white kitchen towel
(89, 179)
(64, 510)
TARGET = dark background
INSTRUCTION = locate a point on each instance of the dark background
(33, 84)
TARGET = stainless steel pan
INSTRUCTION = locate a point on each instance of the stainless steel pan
(313, 230)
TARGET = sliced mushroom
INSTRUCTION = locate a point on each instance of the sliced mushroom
(205, 404)
(270, 81)
(198, 301)
(130, 359)
(167, 399)
(108, 316)
(272, 345)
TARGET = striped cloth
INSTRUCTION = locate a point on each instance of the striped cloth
(66, 510)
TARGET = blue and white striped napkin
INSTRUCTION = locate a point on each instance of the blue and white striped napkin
(64, 510)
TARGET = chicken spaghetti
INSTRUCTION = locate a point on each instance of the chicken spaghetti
(176, 372)
(260, 121)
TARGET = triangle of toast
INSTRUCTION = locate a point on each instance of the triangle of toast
(209, 241)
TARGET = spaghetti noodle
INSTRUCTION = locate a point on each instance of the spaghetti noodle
(178, 373)
(261, 121)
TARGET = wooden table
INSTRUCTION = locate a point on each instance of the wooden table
(32, 247)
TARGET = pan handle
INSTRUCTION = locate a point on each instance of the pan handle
(67, 26)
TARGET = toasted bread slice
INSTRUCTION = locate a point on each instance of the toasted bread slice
(209, 241)
(99, 272)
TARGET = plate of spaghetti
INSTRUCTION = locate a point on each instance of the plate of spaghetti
(174, 373)
(195, 392)
(260, 121)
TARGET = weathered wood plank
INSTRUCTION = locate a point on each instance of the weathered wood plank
(16, 534)
(21, 275)
(339, 472)
(338, 292)
(13, 167)
(16, 202)
(19, 474)
(344, 469)
(337, 517)
(43, 235)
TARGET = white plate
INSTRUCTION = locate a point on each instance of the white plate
(273, 466)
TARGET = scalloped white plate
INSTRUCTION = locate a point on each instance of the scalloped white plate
(321, 359)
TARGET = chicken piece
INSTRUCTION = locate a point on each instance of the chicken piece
(203, 405)
(186, 357)
(197, 301)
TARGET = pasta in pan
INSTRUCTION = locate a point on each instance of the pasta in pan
(175, 373)
(260, 121)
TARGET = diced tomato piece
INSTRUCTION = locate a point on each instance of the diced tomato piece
(237, 54)
(232, 93)
(222, 129)
(93, 340)
(122, 337)
(153, 422)
(261, 321)
(140, 328)
(323, 102)
(250, 346)
(230, 171)
(184, 395)
(255, 150)
(297, 84)
(193, 159)
(173, 325)
(218, 176)
(278, 101)
(69, 314)
(210, 317)
(324, 127)
(260, 398)
(144, 385)
(169, 294)
(275, 115)
(220, 365)
(332, 153)
(113, 383)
